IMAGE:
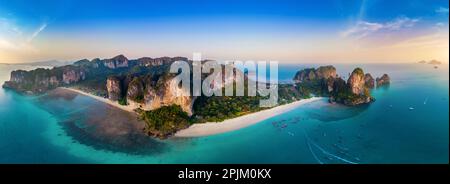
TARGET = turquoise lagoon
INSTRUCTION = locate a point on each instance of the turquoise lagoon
(408, 123)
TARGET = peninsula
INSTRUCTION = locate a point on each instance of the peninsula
(146, 87)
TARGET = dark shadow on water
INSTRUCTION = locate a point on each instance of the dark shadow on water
(383, 87)
(130, 143)
(334, 112)
(99, 125)
(59, 94)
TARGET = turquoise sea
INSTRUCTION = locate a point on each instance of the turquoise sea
(408, 123)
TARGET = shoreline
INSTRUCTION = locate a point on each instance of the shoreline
(128, 108)
(212, 128)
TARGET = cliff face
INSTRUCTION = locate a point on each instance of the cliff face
(320, 80)
(326, 72)
(167, 92)
(358, 92)
(114, 88)
(146, 61)
(96, 70)
(41, 80)
(356, 81)
(324, 81)
(119, 61)
(369, 81)
(145, 93)
(383, 80)
(73, 75)
(18, 76)
(309, 74)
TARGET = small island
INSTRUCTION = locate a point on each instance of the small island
(145, 86)
(431, 62)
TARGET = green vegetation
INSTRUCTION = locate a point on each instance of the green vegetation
(219, 108)
(137, 85)
(123, 101)
(358, 71)
(165, 121)
(342, 93)
(288, 93)
(310, 88)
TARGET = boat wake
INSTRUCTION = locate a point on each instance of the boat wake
(310, 142)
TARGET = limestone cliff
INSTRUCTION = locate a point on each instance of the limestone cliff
(325, 82)
(383, 80)
(369, 81)
(356, 81)
(114, 88)
(94, 72)
(119, 61)
(167, 92)
(135, 91)
(149, 92)
(40, 80)
(358, 91)
(73, 74)
(148, 62)
(309, 74)
(326, 72)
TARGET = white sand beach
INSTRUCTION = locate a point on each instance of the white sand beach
(128, 108)
(211, 128)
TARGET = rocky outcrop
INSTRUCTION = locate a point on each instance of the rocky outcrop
(119, 61)
(369, 81)
(40, 80)
(149, 92)
(73, 75)
(167, 92)
(135, 91)
(307, 74)
(434, 62)
(356, 81)
(114, 88)
(326, 72)
(383, 80)
(148, 62)
(97, 70)
(310, 74)
(353, 92)
(18, 76)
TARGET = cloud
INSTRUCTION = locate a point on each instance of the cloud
(364, 28)
(36, 33)
(13, 38)
(441, 10)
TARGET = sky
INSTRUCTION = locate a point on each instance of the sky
(301, 31)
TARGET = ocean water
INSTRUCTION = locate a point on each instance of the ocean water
(408, 123)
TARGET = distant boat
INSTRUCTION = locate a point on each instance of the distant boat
(425, 102)
(411, 108)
